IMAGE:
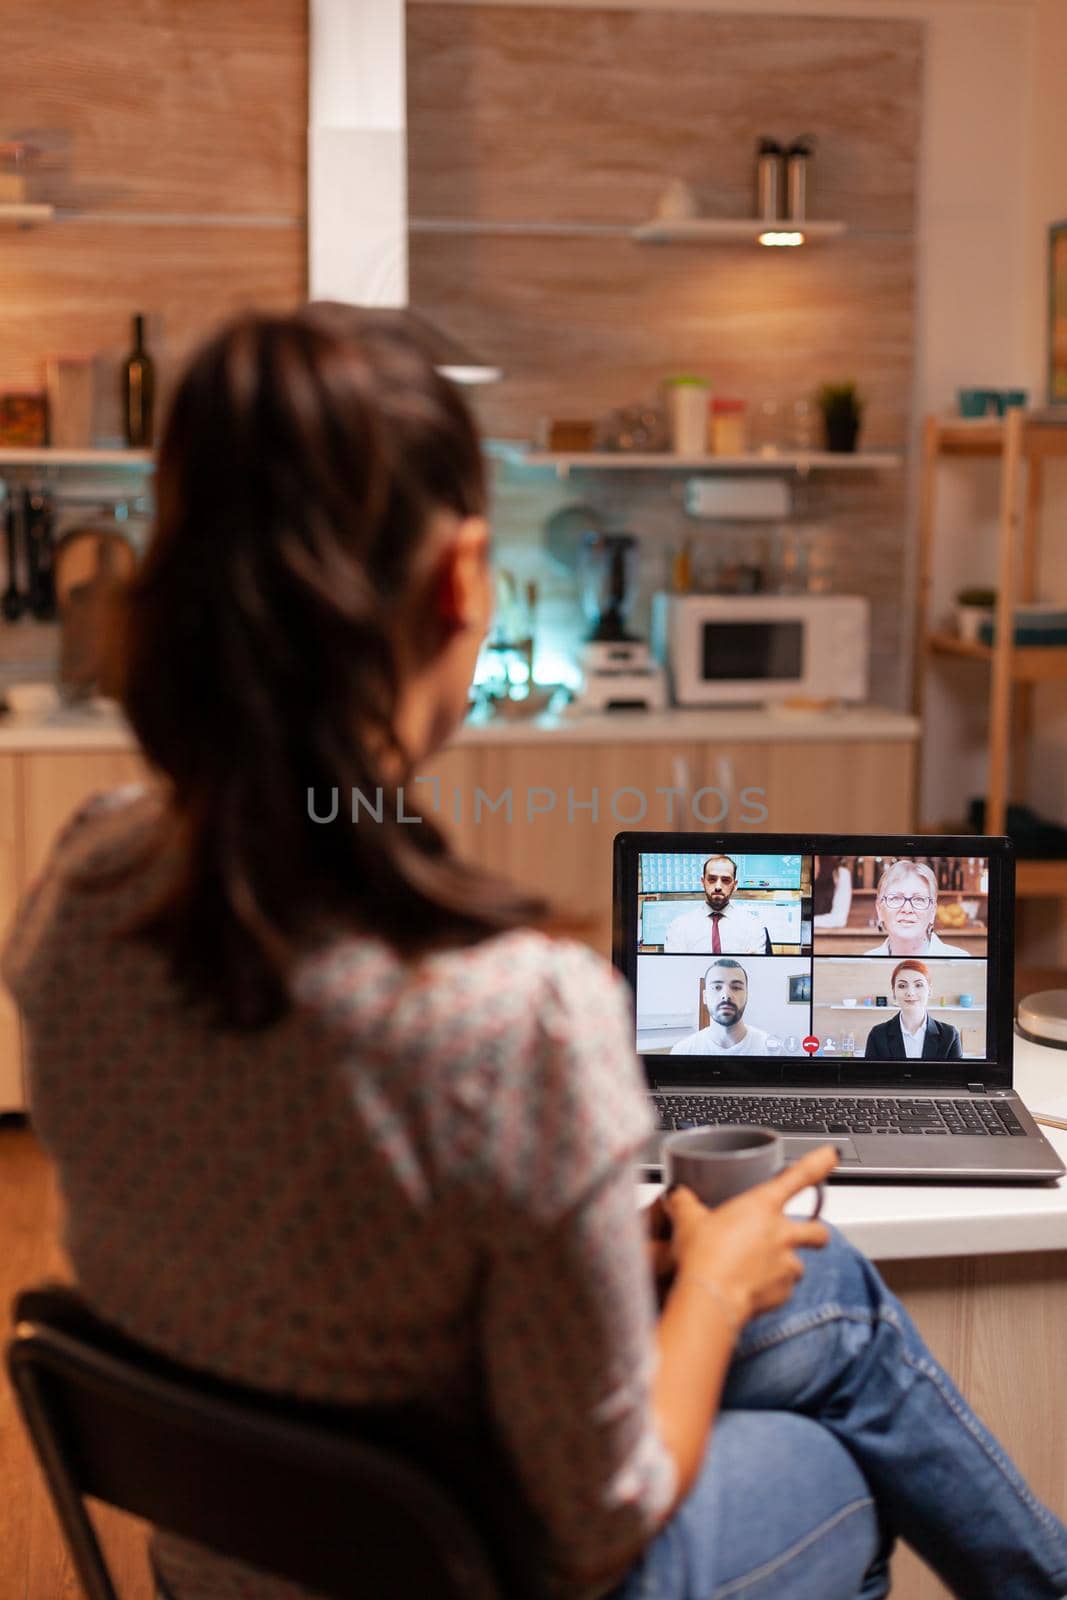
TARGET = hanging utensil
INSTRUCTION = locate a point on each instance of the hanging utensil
(11, 603)
(92, 564)
(40, 551)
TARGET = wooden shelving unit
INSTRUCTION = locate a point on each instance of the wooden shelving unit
(1023, 444)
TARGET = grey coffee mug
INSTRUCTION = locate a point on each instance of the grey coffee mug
(718, 1163)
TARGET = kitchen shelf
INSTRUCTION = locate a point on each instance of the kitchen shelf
(731, 230)
(24, 214)
(42, 456)
(1038, 663)
(664, 461)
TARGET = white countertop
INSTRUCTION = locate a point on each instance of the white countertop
(101, 727)
(751, 725)
(916, 1221)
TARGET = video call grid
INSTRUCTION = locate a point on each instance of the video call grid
(781, 893)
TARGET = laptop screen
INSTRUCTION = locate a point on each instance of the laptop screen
(852, 956)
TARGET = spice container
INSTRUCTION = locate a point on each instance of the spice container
(728, 430)
(687, 407)
(23, 419)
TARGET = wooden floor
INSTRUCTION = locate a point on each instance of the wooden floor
(33, 1560)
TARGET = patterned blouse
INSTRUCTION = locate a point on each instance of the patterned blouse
(415, 1187)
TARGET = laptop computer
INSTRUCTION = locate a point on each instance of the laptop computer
(841, 989)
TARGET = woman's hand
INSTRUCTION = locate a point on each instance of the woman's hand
(730, 1263)
(745, 1249)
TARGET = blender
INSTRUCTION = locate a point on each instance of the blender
(618, 672)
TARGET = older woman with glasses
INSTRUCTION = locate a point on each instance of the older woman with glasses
(907, 909)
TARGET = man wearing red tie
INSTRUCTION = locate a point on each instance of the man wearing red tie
(719, 926)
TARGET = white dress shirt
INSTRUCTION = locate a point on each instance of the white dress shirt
(741, 933)
(913, 1042)
(703, 1044)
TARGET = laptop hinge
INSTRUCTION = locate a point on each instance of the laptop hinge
(977, 1088)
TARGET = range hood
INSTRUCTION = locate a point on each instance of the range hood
(446, 353)
(357, 171)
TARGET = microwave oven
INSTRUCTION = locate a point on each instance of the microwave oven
(727, 649)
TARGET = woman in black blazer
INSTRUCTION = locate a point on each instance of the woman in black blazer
(910, 984)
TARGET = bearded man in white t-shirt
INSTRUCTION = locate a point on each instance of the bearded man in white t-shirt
(726, 996)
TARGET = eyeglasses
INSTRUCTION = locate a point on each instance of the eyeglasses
(918, 902)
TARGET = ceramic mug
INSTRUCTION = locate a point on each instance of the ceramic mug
(718, 1163)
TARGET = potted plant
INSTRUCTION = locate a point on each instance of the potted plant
(842, 413)
(973, 607)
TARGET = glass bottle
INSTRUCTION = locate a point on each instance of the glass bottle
(139, 385)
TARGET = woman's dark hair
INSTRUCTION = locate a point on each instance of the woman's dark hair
(822, 890)
(301, 461)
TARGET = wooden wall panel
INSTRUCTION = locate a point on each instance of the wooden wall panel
(582, 325)
(162, 124)
(74, 287)
(162, 105)
(534, 111)
(534, 115)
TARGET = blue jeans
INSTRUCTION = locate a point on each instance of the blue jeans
(838, 1433)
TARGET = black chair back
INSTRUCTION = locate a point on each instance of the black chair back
(381, 1505)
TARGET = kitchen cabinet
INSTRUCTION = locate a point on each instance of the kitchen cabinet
(539, 806)
(828, 786)
(558, 808)
(10, 1057)
(548, 838)
(38, 792)
(53, 783)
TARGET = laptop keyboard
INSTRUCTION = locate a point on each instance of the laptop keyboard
(806, 1114)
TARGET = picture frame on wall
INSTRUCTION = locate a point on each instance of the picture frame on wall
(1057, 320)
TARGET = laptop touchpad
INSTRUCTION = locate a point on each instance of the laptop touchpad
(846, 1150)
